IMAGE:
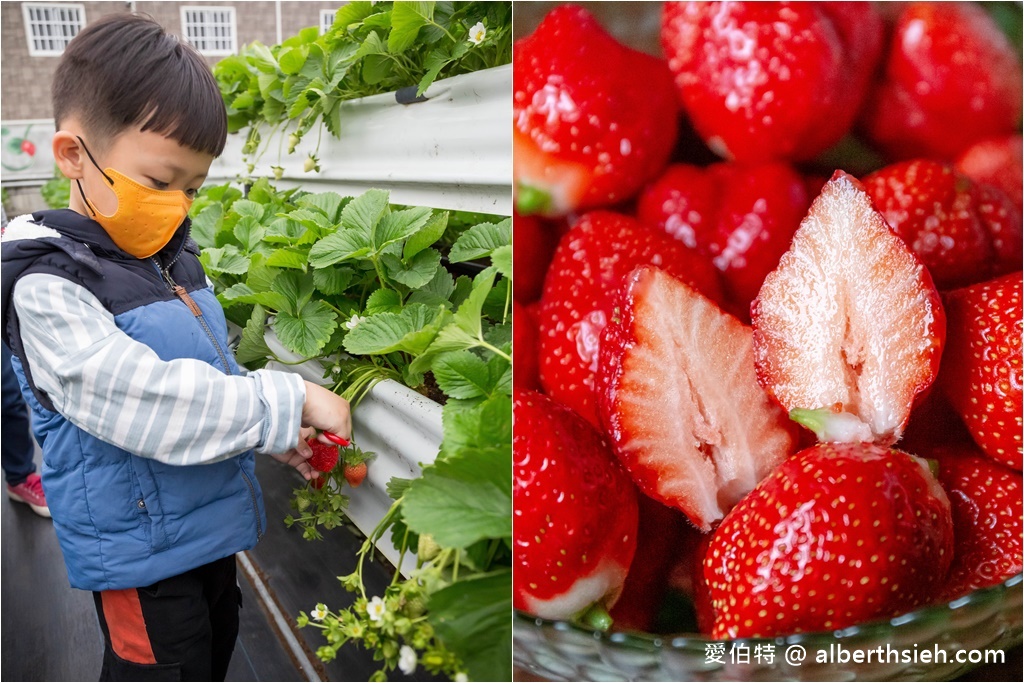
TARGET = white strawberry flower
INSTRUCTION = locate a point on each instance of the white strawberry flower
(407, 660)
(376, 609)
(461, 677)
(477, 33)
(319, 612)
(353, 321)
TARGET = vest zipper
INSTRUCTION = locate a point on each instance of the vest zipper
(198, 313)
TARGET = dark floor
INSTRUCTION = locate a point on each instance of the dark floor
(50, 631)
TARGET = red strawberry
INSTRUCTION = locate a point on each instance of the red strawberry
(849, 328)
(951, 78)
(836, 535)
(982, 367)
(998, 162)
(589, 265)
(525, 358)
(986, 498)
(592, 119)
(953, 225)
(680, 401)
(354, 474)
(575, 512)
(771, 80)
(741, 217)
(533, 245)
(660, 533)
(28, 147)
(324, 457)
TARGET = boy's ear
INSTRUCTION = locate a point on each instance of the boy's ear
(68, 154)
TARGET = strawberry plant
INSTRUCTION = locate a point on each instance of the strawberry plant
(362, 287)
(371, 48)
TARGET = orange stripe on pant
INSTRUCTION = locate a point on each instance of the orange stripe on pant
(128, 635)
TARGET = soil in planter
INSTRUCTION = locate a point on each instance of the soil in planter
(430, 389)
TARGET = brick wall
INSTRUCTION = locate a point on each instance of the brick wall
(25, 81)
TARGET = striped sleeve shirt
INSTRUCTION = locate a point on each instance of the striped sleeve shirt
(180, 412)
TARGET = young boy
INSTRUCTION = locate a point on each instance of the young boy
(147, 425)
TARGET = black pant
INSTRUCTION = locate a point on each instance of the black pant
(179, 629)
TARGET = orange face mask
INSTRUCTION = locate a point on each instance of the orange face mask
(145, 219)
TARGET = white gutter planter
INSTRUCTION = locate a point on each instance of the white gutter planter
(451, 151)
(400, 425)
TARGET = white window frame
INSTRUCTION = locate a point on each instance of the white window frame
(223, 52)
(26, 8)
(324, 13)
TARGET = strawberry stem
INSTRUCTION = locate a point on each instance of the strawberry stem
(815, 420)
(597, 617)
(530, 200)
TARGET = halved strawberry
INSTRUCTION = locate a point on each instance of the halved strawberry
(680, 401)
(987, 519)
(963, 232)
(593, 120)
(740, 216)
(836, 535)
(998, 162)
(982, 373)
(589, 266)
(848, 330)
(574, 508)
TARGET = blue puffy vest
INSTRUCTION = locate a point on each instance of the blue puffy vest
(124, 521)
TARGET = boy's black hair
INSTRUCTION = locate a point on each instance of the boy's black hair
(124, 70)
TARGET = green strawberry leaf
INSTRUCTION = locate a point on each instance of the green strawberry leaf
(471, 617)
(253, 347)
(364, 212)
(308, 332)
(464, 375)
(333, 280)
(481, 241)
(296, 288)
(398, 225)
(296, 259)
(427, 235)
(226, 259)
(328, 203)
(416, 272)
(463, 499)
(502, 260)
(206, 224)
(410, 330)
(249, 232)
(248, 208)
(406, 20)
(344, 245)
(383, 301)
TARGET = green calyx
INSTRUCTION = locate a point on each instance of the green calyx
(530, 200)
(597, 617)
(815, 419)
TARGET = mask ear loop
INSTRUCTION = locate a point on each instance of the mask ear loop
(78, 182)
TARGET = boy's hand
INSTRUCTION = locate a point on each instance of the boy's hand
(327, 412)
(298, 457)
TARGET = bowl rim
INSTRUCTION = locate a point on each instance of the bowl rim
(686, 641)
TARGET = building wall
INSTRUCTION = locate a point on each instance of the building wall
(25, 81)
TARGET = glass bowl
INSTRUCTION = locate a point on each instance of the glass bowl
(912, 644)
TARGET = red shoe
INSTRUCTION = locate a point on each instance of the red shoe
(30, 492)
